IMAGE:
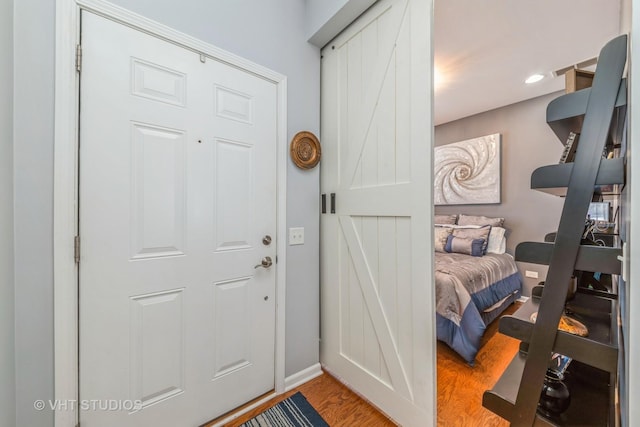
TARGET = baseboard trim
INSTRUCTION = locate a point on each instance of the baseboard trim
(290, 383)
(237, 413)
(302, 377)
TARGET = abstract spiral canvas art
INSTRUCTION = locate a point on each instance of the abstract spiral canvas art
(468, 172)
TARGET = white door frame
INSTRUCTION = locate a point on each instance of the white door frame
(65, 199)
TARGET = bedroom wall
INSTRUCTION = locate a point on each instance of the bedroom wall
(7, 337)
(527, 143)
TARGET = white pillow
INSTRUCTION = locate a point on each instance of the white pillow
(497, 241)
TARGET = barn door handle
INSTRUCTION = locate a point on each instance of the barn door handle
(333, 203)
(265, 263)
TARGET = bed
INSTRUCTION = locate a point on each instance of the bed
(475, 281)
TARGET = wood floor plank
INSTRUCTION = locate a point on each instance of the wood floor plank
(339, 406)
(460, 386)
(460, 389)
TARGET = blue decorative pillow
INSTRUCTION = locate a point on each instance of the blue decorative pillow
(465, 245)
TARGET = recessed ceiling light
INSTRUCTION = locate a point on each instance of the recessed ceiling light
(534, 78)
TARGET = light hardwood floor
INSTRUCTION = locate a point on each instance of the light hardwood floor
(460, 386)
(339, 406)
(460, 389)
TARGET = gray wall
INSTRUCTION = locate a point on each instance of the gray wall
(527, 143)
(326, 18)
(7, 361)
(319, 12)
(33, 193)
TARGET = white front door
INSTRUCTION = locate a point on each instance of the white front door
(177, 194)
(377, 282)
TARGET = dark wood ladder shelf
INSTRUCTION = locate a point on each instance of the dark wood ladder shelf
(554, 179)
(590, 396)
(590, 257)
(598, 349)
(598, 114)
(566, 113)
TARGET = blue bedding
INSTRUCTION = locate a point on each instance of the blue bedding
(466, 287)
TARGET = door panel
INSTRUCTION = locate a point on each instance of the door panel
(158, 191)
(377, 294)
(233, 183)
(177, 190)
(231, 326)
(157, 346)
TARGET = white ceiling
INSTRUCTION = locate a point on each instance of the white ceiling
(485, 49)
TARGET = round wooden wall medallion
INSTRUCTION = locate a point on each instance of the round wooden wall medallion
(305, 150)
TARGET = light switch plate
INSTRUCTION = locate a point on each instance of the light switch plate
(296, 236)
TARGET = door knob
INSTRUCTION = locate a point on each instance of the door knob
(265, 263)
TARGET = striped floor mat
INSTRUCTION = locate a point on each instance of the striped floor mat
(294, 411)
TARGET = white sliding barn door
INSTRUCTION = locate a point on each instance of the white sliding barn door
(378, 331)
(177, 191)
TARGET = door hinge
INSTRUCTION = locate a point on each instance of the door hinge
(76, 249)
(78, 57)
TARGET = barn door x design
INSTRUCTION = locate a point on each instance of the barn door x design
(376, 260)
